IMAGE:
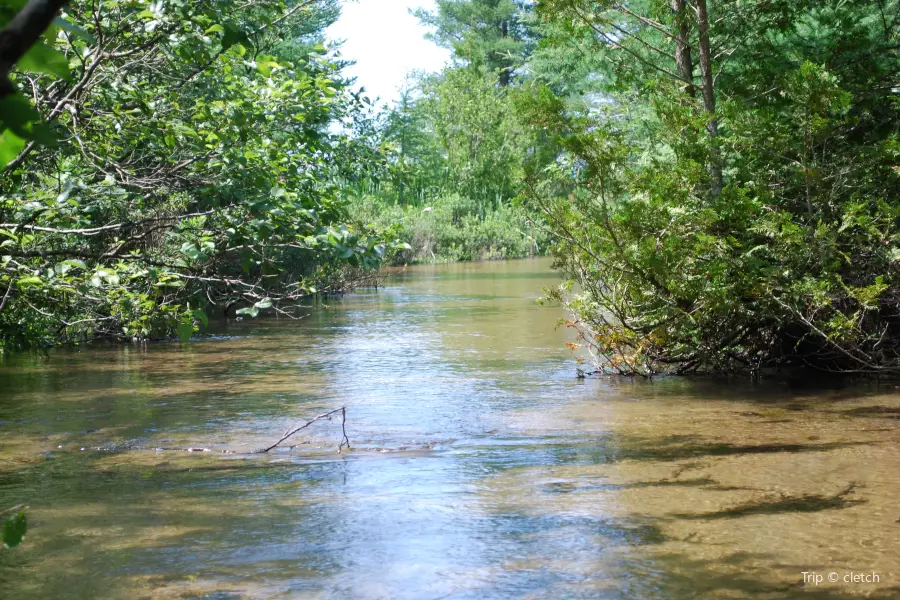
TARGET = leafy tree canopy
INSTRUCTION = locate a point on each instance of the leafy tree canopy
(163, 159)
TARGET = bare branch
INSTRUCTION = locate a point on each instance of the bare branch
(290, 432)
(97, 230)
(6, 296)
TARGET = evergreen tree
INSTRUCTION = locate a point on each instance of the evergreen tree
(494, 35)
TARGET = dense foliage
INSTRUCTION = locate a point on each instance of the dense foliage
(167, 159)
(728, 199)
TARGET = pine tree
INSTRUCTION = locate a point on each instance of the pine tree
(493, 35)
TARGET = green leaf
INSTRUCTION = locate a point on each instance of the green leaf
(267, 303)
(41, 58)
(76, 263)
(74, 29)
(252, 311)
(185, 331)
(168, 284)
(266, 66)
(68, 186)
(43, 134)
(233, 36)
(17, 113)
(14, 529)
(200, 316)
(29, 281)
(12, 6)
(10, 146)
(191, 250)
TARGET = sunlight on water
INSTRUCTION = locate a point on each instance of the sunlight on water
(480, 468)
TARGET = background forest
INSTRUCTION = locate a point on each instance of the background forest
(716, 179)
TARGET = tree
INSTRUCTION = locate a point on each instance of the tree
(752, 226)
(192, 168)
(494, 35)
(418, 164)
(473, 122)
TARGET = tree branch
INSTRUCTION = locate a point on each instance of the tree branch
(616, 44)
(344, 442)
(97, 230)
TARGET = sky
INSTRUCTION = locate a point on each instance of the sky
(387, 43)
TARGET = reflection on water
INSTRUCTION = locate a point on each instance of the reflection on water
(481, 468)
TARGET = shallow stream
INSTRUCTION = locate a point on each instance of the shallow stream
(480, 468)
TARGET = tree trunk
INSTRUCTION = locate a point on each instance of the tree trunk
(504, 77)
(684, 60)
(709, 97)
(504, 61)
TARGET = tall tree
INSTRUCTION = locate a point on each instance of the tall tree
(495, 35)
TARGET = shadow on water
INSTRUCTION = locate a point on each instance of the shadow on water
(615, 448)
(568, 487)
(675, 448)
(806, 503)
(739, 575)
(884, 412)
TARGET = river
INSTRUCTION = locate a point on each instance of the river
(480, 467)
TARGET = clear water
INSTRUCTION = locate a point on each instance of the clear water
(480, 467)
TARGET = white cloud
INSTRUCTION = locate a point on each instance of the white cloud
(387, 43)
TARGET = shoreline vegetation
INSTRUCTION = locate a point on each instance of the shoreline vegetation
(717, 181)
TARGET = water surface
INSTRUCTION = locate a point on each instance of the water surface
(481, 467)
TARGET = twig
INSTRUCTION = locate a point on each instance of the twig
(6, 295)
(345, 441)
(105, 228)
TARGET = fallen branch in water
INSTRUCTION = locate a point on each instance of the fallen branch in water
(345, 441)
